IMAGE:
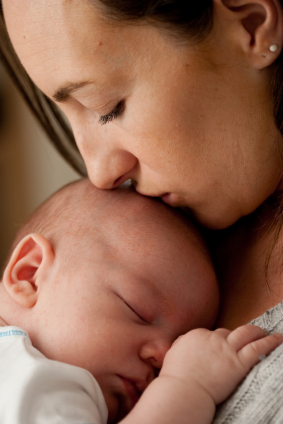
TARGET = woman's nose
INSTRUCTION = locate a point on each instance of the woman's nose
(154, 352)
(110, 169)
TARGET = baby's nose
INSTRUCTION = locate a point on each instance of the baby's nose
(154, 352)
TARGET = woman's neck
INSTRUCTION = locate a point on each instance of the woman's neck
(247, 287)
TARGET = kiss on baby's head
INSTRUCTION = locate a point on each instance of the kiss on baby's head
(107, 280)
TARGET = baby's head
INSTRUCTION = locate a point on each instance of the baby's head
(107, 280)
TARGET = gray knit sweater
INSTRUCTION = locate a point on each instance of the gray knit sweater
(259, 398)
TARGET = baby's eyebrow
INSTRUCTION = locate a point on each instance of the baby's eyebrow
(63, 93)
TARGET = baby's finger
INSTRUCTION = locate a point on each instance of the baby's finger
(178, 339)
(223, 331)
(244, 335)
(251, 354)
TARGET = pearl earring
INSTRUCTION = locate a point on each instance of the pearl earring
(273, 48)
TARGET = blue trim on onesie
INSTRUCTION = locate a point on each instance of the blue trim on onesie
(6, 332)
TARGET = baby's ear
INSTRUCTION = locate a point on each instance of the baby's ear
(23, 274)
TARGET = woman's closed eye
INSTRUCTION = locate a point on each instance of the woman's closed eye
(113, 114)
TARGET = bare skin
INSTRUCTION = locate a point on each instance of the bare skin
(188, 379)
(195, 126)
(197, 122)
(102, 303)
(126, 295)
(248, 285)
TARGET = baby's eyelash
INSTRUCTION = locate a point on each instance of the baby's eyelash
(112, 115)
(135, 312)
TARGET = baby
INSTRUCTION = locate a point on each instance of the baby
(103, 283)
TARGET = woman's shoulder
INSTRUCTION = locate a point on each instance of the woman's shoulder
(272, 320)
(258, 399)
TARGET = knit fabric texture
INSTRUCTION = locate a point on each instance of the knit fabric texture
(259, 398)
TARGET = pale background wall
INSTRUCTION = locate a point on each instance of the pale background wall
(30, 168)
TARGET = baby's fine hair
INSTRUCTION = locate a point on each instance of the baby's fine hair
(77, 214)
(57, 217)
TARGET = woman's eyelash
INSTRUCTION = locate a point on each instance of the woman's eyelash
(112, 115)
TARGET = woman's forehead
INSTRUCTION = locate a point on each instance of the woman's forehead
(41, 23)
(69, 42)
(65, 21)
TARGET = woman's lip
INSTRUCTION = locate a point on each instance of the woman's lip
(170, 199)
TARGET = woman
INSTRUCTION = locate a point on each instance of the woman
(185, 100)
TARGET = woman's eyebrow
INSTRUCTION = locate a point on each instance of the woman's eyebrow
(63, 93)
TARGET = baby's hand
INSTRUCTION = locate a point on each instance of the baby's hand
(217, 361)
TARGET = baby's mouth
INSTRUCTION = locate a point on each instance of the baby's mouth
(127, 398)
(131, 390)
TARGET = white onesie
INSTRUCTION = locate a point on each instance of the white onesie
(37, 390)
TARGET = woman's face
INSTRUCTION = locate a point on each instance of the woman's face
(189, 123)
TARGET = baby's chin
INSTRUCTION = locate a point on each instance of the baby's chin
(115, 413)
(119, 405)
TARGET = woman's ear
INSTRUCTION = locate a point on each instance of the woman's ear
(258, 27)
(26, 269)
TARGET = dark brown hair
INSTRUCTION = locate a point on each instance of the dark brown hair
(43, 108)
